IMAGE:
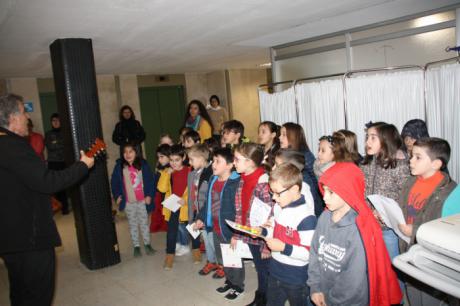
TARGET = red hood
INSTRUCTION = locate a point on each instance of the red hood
(347, 181)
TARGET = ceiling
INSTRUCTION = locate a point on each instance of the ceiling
(171, 36)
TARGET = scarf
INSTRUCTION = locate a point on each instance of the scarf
(347, 181)
(193, 123)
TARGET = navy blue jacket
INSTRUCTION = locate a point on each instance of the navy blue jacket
(227, 206)
(310, 178)
(148, 182)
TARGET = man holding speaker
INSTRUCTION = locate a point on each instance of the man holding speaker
(28, 233)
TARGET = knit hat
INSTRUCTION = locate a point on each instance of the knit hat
(415, 128)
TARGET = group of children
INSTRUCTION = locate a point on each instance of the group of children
(323, 241)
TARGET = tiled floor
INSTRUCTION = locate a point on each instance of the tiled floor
(135, 281)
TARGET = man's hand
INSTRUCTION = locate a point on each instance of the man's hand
(275, 245)
(318, 299)
(89, 161)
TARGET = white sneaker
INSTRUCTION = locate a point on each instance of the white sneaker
(182, 250)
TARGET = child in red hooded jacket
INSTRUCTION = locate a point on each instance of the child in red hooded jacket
(348, 254)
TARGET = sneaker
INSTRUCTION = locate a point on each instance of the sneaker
(149, 250)
(137, 252)
(182, 250)
(208, 268)
(219, 273)
(234, 294)
(223, 289)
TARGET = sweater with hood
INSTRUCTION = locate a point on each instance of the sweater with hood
(347, 181)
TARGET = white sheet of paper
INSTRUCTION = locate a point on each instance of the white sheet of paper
(242, 249)
(230, 258)
(390, 212)
(259, 213)
(194, 233)
(172, 203)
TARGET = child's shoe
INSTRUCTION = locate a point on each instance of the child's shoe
(224, 288)
(208, 268)
(149, 250)
(169, 260)
(219, 272)
(196, 256)
(182, 250)
(234, 294)
(137, 252)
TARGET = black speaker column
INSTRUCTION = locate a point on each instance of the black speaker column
(78, 105)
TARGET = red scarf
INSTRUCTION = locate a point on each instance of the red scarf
(249, 184)
(347, 180)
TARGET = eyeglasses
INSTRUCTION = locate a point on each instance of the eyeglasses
(278, 194)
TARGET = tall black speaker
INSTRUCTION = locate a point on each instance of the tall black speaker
(78, 105)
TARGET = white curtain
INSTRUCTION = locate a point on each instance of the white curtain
(443, 110)
(394, 98)
(278, 107)
(321, 110)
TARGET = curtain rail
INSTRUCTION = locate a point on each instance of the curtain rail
(354, 72)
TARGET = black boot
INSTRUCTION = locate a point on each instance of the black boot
(256, 299)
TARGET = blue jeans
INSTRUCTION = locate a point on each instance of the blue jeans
(208, 238)
(392, 244)
(182, 234)
(279, 292)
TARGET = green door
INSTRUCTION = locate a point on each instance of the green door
(48, 104)
(162, 111)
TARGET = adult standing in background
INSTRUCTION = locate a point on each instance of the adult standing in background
(36, 140)
(128, 130)
(28, 234)
(197, 118)
(54, 142)
(218, 115)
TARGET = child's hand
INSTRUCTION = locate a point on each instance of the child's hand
(181, 202)
(169, 170)
(198, 225)
(118, 200)
(275, 244)
(148, 200)
(318, 299)
(233, 243)
(406, 229)
(268, 223)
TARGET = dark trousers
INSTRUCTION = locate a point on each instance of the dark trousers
(31, 275)
(61, 196)
(196, 243)
(233, 276)
(171, 234)
(261, 268)
(279, 292)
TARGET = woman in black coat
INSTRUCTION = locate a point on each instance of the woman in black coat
(128, 129)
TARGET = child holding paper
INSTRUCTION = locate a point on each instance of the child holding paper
(197, 182)
(220, 206)
(174, 181)
(349, 264)
(289, 238)
(422, 200)
(253, 184)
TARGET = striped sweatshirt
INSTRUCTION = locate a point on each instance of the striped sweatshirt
(294, 225)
